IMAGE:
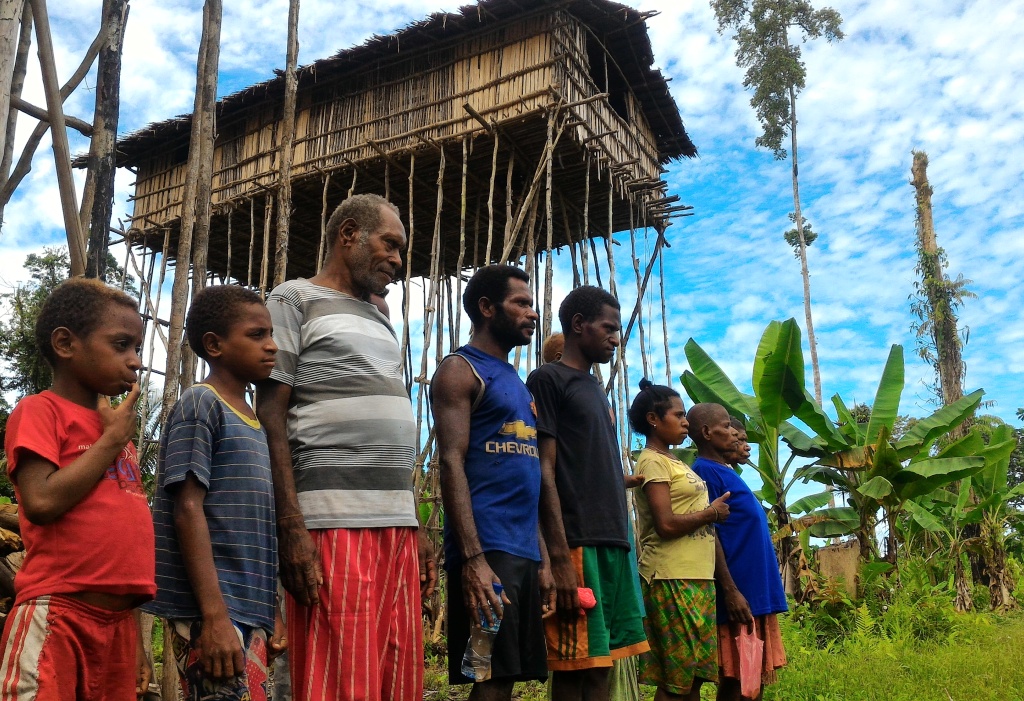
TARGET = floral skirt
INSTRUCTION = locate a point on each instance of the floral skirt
(683, 634)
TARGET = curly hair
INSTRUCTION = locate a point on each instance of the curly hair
(214, 310)
(364, 209)
(586, 300)
(77, 304)
(652, 397)
(490, 281)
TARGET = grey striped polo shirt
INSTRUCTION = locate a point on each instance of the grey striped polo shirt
(350, 421)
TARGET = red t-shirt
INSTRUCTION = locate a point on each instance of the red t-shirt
(105, 542)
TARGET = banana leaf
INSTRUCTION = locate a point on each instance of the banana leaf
(931, 427)
(992, 479)
(853, 431)
(887, 397)
(928, 475)
(780, 383)
(877, 488)
(800, 443)
(765, 347)
(712, 376)
(925, 519)
(858, 458)
(811, 413)
(885, 463)
(811, 502)
(841, 520)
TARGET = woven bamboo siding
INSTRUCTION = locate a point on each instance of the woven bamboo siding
(334, 123)
(380, 123)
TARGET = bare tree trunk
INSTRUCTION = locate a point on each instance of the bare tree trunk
(811, 341)
(98, 195)
(11, 25)
(284, 200)
(24, 164)
(949, 363)
(61, 150)
(17, 83)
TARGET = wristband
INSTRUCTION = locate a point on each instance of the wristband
(285, 518)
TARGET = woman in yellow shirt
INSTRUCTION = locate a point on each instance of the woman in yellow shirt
(677, 552)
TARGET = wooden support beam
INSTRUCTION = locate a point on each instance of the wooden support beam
(80, 125)
(10, 30)
(61, 149)
(478, 117)
(98, 194)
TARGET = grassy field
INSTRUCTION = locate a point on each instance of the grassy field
(983, 660)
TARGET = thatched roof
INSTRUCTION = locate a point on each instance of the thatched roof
(620, 28)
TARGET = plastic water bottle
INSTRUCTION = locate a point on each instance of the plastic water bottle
(476, 663)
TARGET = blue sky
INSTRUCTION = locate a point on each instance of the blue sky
(940, 76)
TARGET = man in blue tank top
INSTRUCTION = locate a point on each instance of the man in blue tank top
(486, 431)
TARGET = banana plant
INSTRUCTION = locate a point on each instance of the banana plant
(779, 394)
(880, 472)
(983, 498)
(875, 470)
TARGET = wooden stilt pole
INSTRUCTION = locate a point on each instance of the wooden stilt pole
(15, 40)
(322, 250)
(490, 199)
(284, 190)
(24, 165)
(407, 289)
(457, 317)
(61, 149)
(546, 326)
(98, 194)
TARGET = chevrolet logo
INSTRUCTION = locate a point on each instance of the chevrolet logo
(519, 429)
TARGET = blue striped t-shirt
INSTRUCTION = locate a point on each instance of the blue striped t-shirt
(228, 454)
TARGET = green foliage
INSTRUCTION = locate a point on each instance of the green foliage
(792, 236)
(775, 68)
(777, 378)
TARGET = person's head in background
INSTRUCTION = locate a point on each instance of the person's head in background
(553, 347)
(741, 454)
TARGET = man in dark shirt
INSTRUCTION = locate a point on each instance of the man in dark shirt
(583, 504)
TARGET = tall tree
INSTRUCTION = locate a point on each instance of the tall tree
(776, 73)
(938, 299)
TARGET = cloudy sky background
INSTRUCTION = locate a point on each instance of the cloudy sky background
(940, 76)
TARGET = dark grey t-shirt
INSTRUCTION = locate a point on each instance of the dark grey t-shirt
(573, 408)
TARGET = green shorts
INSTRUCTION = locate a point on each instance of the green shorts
(611, 630)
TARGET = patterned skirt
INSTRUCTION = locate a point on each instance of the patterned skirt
(683, 634)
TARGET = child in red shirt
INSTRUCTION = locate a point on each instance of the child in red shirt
(83, 511)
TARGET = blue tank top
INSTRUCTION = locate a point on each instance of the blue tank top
(502, 462)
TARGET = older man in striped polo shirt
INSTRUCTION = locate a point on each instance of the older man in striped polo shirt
(342, 440)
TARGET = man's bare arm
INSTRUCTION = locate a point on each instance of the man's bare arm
(299, 561)
(452, 393)
(562, 569)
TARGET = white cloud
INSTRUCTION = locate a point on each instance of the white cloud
(937, 76)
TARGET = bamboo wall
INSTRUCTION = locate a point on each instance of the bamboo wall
(505, 73)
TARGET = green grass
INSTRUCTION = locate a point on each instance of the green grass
(983, 660)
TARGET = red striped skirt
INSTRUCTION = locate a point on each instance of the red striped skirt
(363, 640)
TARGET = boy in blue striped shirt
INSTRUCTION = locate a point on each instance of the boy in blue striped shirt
(213, 510)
